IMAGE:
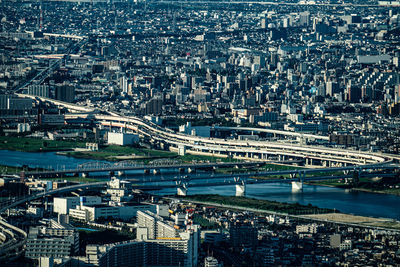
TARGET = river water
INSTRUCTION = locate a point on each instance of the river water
(353, 202)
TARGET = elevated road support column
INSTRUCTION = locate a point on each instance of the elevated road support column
(182, 187)
(240, 187)
(298, 185)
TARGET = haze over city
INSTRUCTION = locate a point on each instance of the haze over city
(199, 133)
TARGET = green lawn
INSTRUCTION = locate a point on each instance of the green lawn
(114, 152)
(75, 179)
(190, 158)
(277, 167)
(36, 145)
(4, 169)
(253, 203)
(9, 169)
(364, 184)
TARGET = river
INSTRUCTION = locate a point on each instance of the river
(353, 202)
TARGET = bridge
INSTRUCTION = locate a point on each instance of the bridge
(13, 239)
(130, 166)
(321, 159)
(237, 149)
(296, 177)
(274, 132)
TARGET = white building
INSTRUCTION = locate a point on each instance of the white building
(179, 250)
(94, 212)
(62, 205)
(122, 139)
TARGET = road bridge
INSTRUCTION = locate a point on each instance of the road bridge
(252, 150)
(274, 132)
(14, 246)
(104, 167)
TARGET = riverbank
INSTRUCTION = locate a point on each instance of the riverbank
(358, 220)
(329, 217)
(25, 144)
(5, 169)
(118, 153)
(264, 205)
(389, 191)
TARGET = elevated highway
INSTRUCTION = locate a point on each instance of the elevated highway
(274, 132)
(251, 150)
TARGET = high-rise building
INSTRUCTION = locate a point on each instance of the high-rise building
(159, 243)
(148, 220)
(353, 93)
(51, 242)
(243, 235)
(154, 106)
(304, 18)
(65, 93)
(331, 88)
(263, 23)
(260, 60)
(39, 90)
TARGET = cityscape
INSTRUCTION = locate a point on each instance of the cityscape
(199, 133)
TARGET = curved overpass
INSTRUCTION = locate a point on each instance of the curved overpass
(277, 132)
(12, 240)
(252, 150)
(255, 150)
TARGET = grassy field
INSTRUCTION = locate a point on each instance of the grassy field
(4, 169)
(75, 179)
(265, 205)
(191, 158)
(114, 153)
(36, 145)
(9, 169)
(278, 167)
(364, 184)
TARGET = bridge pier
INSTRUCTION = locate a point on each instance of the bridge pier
(182, 188)
(240, 187)
(181, 191)
(298, 185)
